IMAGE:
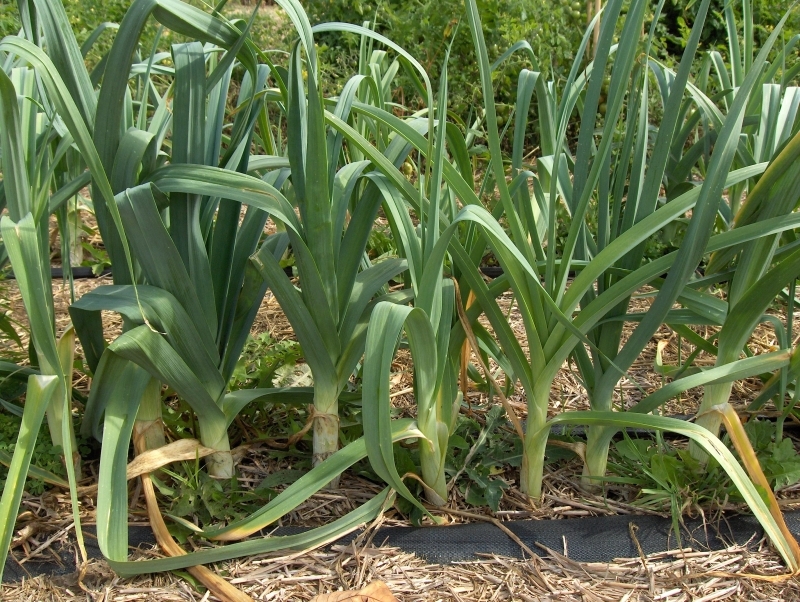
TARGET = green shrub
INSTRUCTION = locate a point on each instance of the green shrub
(679, 15)
(84, 16)
(425, 29)
(9, 20)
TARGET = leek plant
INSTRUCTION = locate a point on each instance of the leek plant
(434, 334)
(771, 109)
(32, 153)
(618, 358)
(761, 269)
(201, 266)
(427, 325)
(137, 154)
(36, 148)
(542, 306)
(772, 115)
(32, 170)
(609, 266)
(197, 136)
(43, 171)
(337, 205)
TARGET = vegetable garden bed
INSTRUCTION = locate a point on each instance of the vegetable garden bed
(412, 564)
(296, 330)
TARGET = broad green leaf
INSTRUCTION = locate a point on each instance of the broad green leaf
(311, 482)
(40, 394)
(302, 541)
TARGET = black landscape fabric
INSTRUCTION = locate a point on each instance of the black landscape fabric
(592, 539)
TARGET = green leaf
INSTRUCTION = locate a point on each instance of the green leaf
(41, 390)
(308, 484)
(303, 541)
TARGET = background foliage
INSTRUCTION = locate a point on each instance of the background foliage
(425, 28)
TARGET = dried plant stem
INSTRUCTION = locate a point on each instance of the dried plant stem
(745, 450)
(216, 584)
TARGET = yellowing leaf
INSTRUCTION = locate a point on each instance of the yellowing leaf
(153, 459)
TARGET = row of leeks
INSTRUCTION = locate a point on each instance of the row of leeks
(182, 198)
(623, 187)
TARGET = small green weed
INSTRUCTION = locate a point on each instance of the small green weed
(203, 500)
(261, 359)
(198, 498)
(381, 244)
(478, 454)
(668, 478)
(45, 456)
(97, 258)
(779, 459)
(665, 478)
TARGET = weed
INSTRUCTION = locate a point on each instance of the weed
(779, 459)
(478, 454)
(45, 456)
(199, 498)
(261, 361)
(668, 479)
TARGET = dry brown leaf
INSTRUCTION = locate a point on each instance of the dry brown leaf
(223, 590)
(377, 591)
(153, 459)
